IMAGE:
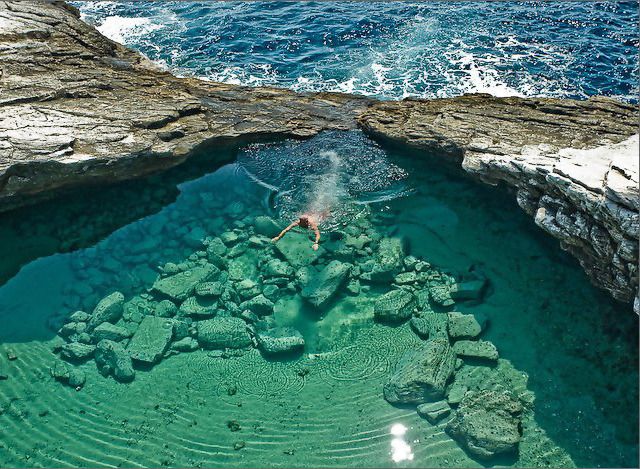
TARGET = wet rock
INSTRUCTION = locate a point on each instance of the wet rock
(180, 286)
(296, 249)
(266, 226)
(280, 340)
(198, 307)
(247, 288)
(322, 286)
(441, 294)
(151, 339)
(79, 316)
(421, 375)
(229, 238)
(468, 290)
(209, 289)
(456, 392)
(277, 268)
(72, 328)
(406, 278)
(112, 359)
(487, 423)
(165, 309)
(223, 332)
(388, 260)
(137, 308)
(394, 306)
(60, 371)
(353, 287)
(109, 309)
(237, 250)
(481, 349)
(260, 305)
(463, 326)
(106, 330)
(77, 351)
(187, 344)
(194, 238)
(77, 378)
(420, 326)
(434, 411)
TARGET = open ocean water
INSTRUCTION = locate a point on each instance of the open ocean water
(567, 352)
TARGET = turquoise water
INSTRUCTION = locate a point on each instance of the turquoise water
(566, 350)
(389, 49)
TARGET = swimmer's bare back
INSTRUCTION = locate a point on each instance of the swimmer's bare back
(305, 221)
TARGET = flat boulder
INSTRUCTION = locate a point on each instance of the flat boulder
(180, 286)
(296, 249)
(106, 330)
(462, 326)
(487, 423)
(481, 349)
(223, 332)
(434, 411)
(421, 375)
(394, 306)
(112, 359)
(151, 339)
(469, 290)
(322, 287)
(280, 340)
(108, 309)
(388, 260)
(76, 351)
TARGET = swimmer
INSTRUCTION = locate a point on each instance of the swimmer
(306, 220)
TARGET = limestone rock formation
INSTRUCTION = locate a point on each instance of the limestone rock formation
(77, 108)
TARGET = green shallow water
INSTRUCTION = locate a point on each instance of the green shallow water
(561, 341)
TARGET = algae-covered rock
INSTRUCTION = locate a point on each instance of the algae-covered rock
(482, 349)
(186, 344)
(151, 339)
(463, 326)
(74, 377)
(259, 305)
(487, 423)
(209, 289)
(137, 308)
(77, 378)
(229, 238)
(112, 359)
(277, 268)
(388, 260)
(180, 286)
(421, 375)
(198, 307)
(441, 294)
(223, 332)
(109, 309)
(79, 316)
(165, 309)
(266, 226)
(394, 306)
(468, 289)
(296, 249)
(434, 411)
(322, 286)
(77, 351)
(280, 340)
(106, 330)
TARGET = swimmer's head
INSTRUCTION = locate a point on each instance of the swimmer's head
(303, 221)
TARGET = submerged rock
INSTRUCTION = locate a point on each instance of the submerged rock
(295, 248)
(481, 349)
(266, 226)
(388, 260)
(487, 423)
(434, 411)
(441, 294)
(209, 289)
(180, 286)
(463, 326)
(321, 287)
(280, 340)
(109, 309)
(151, 339)
(198, 307)
(259, 305)
(77, 351)
(112, 359)
(106, 330)
(223, 332)
(468, 290)
(186, 344)
(421, 375)
(394, 306)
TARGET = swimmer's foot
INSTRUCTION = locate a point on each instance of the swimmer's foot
(315, 246)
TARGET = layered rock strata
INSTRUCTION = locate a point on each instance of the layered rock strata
(77, 108)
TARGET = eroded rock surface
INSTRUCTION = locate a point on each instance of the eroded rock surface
(77, 108)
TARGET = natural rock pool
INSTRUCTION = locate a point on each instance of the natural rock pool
(166, 329)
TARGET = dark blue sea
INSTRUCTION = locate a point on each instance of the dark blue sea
(390, 50)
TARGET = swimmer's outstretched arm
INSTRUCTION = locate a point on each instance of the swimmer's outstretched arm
(283, 232)
(315, 229)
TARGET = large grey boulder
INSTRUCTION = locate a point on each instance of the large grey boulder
(112, 359)
(181, 285)
(280, 340)
(421, 375)
(321, 287)
(224, 332)
(108, 309)
(487, 423)
(394, 306)
(388, 260)
(151, 339)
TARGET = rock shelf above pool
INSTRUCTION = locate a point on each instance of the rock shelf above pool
(110, 114)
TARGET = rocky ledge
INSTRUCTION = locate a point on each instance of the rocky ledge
(78, 109)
